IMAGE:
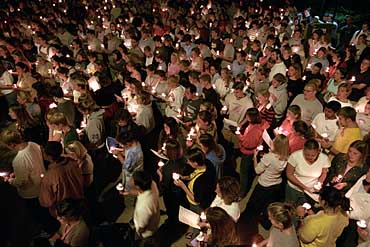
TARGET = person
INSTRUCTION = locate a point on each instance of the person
(293, 114)
(78, 152)
(309, 104)
(95, 128)
(279, 95)
(73, 230)
(348, 133)
(345, 169)
(363, 120)
(344, 89)
(325, 123)
(299, 135)
(146, 213)
(144, 114)
(65, 106)
(248, 142)
(283, 232)
(201, 182)
(130, 155)
(305, 168)
(29, 128)
(173, 196)
(223, 228)
(324, 227)
(359, 198)
(269, 186)
(62, 178)
(227, 195)
(28, 165)
(60, 130)
(214, 152)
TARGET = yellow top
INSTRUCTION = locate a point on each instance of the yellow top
(345, 137)
(193, 177)
(322, 230)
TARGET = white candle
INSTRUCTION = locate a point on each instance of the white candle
(218, 53)
(52, 105)
(164, 146)
(324, 135)
(42, 175)
(160, 163)
(203, 216)
(175, 176)
(260, 147)
(119, 187)
(143, 84)
(3, 174)
(237, 132)
(164, 95)
(339, 178)
(254, 245)
(224, 108)
(362, 224)
(307, 206)
(200, 237)
(353, 78)
(317, 186)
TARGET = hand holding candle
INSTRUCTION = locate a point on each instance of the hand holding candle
(120, 187)
(237, 132)
(362, 224)
(175, 176)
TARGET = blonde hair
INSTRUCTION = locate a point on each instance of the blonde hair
(57, 118)
(26, 95)
(281, 146)
(173, 79)
(77, 148)
(282, 213)
(87, 104)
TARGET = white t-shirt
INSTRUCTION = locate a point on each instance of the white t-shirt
(233, 209)
(28, 166)
(270, 169)
(307, 174)
(147, 213)
(6, 79)
(237, 108)
(363, 122)
(342, 104)
(328, 126)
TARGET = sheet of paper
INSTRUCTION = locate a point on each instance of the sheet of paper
(188, 217)
(159, 155)
(314, 196)
(266, 137)
(230, 122)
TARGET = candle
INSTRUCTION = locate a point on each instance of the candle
(160, 163)
(353, 78)
(163, 95)
(317, 186)
(224, 108)
(52, 105)
(175, 176)
(260, 147)
(188, 138)
(200, 237)
(307, 206)
(339, 178)
(256, 64)
(143, 84)
(119, 187)
(203, 217)
(164, 146)
(254, 245)
(218, 53)
(237, 132)
(324, 135)
(304, 78)
(42, 175)
(3, 174)
(309, 66)
(362, 224)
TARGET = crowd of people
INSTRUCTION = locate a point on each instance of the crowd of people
(196, 103)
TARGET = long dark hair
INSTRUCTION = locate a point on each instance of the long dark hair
(24, 118)
(223, 227)
(334, 199)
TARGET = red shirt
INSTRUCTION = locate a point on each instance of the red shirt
(252, 137)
